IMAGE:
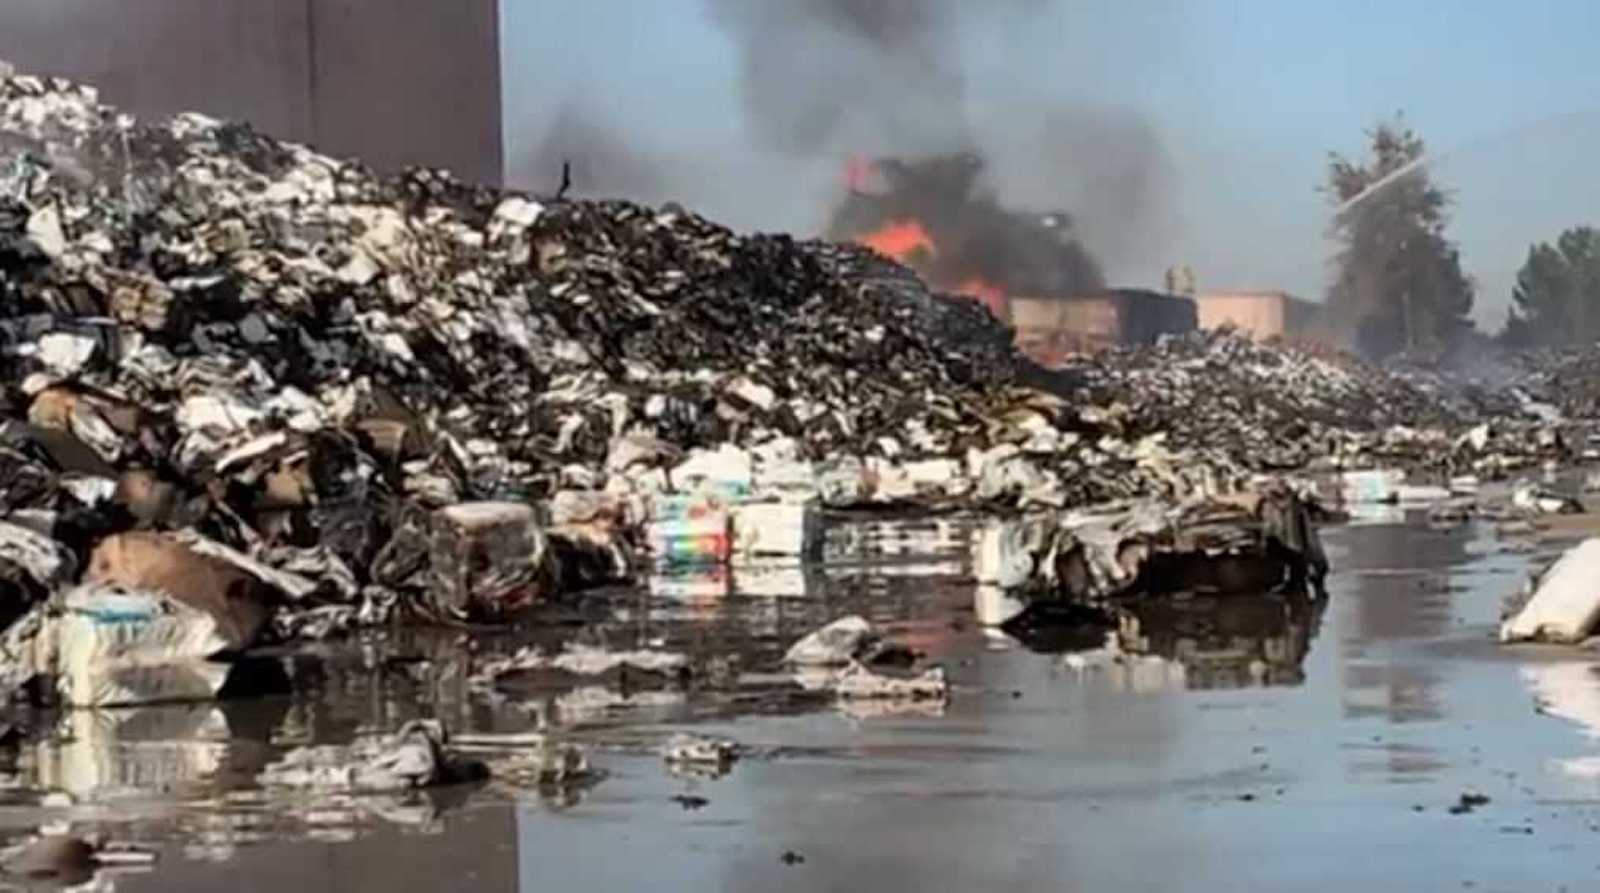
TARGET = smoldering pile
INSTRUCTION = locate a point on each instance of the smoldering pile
(1567, 380)
(286, 355)
(1274, 407)
(1271, 405)
(298, 363)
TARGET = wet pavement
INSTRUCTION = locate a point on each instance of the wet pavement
(1259, 743)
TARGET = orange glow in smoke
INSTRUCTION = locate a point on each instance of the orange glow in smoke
(899, 239)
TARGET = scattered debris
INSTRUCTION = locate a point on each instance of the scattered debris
(361, 383)
(1249, 545)
(583, 661)
(1258, 407)
(699, 755)
(552, 762)
(297, 354)
(414, 757)
(1536, 500)
(858, 682)
(1468, 802)
(1452, 512)
(850, 659)
(846, 640)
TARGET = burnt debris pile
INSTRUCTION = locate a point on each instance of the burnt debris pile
(1268, 406)
(226, 282)
(298, 362)
(1567, 381)
(208, 329)
(1275, 407)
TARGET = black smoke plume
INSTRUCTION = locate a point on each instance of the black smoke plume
(823, 80)
(973, 236)
(881, 75)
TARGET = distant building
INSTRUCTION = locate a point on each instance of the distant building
(1262, 314)
(1050, 329)
(393, 82)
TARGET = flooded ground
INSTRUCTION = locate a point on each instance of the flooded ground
(1263, 744)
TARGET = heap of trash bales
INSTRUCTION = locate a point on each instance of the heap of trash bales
(1274, 407)
(301, 362)
(251, 380)
(1567, 379)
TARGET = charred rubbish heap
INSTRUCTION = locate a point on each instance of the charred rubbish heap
(346, 396)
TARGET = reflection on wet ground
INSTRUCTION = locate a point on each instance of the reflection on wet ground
(1201, 743)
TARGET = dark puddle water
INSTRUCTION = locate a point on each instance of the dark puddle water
(1258, 745)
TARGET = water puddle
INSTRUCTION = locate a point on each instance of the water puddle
(1273, 742)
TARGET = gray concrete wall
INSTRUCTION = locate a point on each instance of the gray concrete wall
(394, 82)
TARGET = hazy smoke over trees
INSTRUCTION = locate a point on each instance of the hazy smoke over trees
(1398, 280)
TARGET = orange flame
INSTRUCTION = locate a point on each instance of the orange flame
(899, 239)
(986, 293)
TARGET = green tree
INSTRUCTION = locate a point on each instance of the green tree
(1556, 300)
(1398, 280)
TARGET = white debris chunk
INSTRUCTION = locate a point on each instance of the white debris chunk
(512, 214)
(558, 762)
(89, 489)
(858, 682)
(42, 558)
(836, 644)
(219, 412)
(687, 748)
(766, 529)
(1533, 499)
(585, 660)
(44, 229)
(1004, 553)
(415, 757)
(65, 353)
(753, 393)
(1565, 606)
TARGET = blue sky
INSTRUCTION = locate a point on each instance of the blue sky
(1243, 98)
